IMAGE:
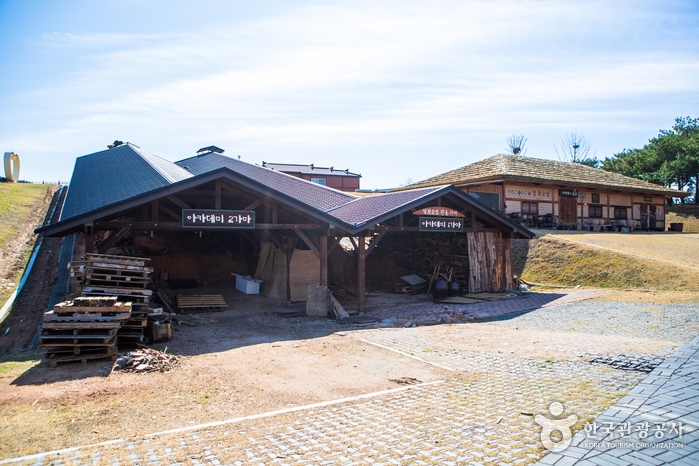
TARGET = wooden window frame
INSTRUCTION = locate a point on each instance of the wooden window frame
(595, 207)
(529, 206)
(595, 198)
(626, 213)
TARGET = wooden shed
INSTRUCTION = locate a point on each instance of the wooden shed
(125, 190)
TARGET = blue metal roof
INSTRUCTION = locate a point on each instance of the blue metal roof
(113, 175)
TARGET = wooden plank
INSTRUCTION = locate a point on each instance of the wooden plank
(361, 273)
(82, 325)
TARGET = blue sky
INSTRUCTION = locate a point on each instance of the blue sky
(392, 90)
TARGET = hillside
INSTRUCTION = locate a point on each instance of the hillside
(687, 214)
(22, 209)
(554, 261)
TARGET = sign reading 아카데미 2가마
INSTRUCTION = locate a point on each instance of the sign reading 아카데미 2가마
(197, 218)
(441, 224)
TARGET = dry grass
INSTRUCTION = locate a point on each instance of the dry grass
(17, 202)
(559, 262)
(689, 215)
(678, 248)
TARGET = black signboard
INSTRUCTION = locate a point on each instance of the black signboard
(443, 224)
(197, 218)
(647, 199)
(568, 193)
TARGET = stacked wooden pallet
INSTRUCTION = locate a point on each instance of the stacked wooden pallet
(121, 276)
(201, 303)
(82, 329)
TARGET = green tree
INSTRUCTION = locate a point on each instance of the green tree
(671, 159)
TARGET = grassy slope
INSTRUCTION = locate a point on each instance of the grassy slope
(557, 262)
(17, 203)
(689, 215)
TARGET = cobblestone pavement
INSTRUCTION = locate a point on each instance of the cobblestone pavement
(656, 423)
(484, 412)
(429, 313)
(678, 322)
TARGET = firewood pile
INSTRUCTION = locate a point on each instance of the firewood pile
(82, 329)
(148, 360)
(126, 278)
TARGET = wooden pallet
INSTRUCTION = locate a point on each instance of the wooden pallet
(83, 358)
(76, 307)
(201, 302)
(86, 317)
(117, 259)
(83, 350)
(81, 325)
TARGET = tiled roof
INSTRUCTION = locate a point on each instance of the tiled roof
(515, 167)
(312, 194)
(308, 169)
(114, 175)
(364, 209)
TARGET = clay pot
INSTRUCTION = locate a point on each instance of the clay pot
(453, 289)
(440, 289)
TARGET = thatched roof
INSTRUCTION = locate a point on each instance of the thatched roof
(518, 168)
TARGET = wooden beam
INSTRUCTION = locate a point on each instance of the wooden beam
(217, 194)
(255, 204)
(178, 202)
(287, 226)
(361, 273)
(171, 213)
(274, 239)
(274, 212)
(323, 261)
(139, 225)
(112, 240)
(335, 243)
(154, 206)
(307, 241)
(351, 238)
(374, 242)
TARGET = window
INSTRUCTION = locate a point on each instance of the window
(595, 198)
(620, 213)
(595, 211)
(530, 208)
(318, 180)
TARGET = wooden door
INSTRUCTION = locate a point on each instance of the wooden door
(644, 216)
(568, 210)
(651, 216)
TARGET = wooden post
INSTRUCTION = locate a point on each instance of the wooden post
(361, 275)
(89, 238)
(289, 252)
(323, 261)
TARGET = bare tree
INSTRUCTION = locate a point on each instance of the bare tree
(575, 148)
(516, 144)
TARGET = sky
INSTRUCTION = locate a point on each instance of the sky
(397, 91)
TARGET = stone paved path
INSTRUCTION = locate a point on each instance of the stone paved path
(483, 412)
(656, 423)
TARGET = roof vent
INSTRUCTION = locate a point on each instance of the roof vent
(116, 143)
(209, 150)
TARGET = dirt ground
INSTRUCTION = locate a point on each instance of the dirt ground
(677, 248)
(241, 361)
